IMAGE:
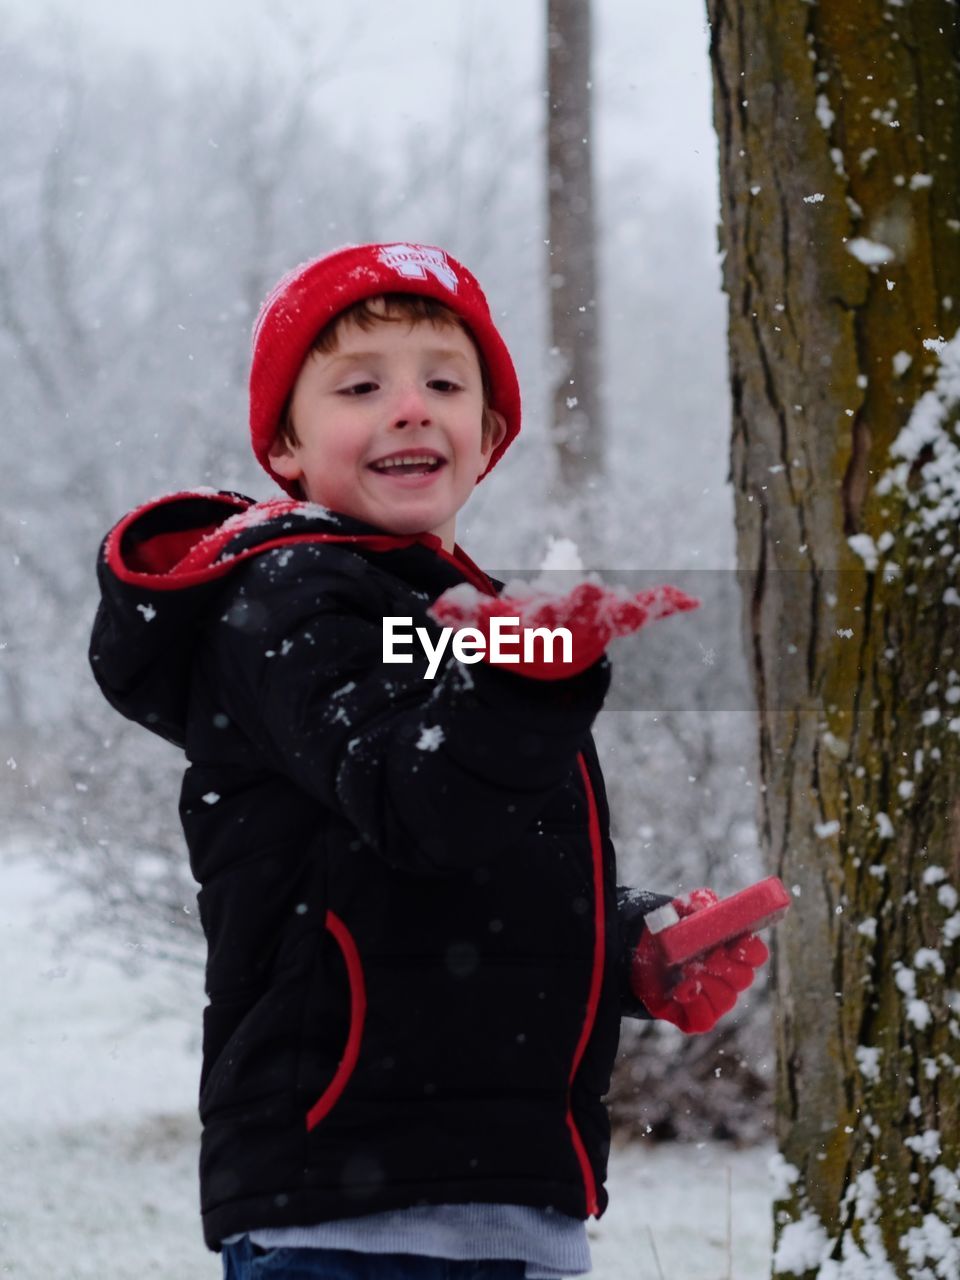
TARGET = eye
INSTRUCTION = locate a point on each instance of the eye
(358, 389)
(443, 384)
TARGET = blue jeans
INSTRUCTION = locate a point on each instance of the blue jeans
(246, 1261)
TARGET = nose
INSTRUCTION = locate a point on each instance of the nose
(410, 407)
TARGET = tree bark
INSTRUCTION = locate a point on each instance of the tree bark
(576, 427)
(839, 161)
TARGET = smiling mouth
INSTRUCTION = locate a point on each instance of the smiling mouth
(415, 466)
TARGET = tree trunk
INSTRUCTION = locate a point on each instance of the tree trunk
(576, 430)
(839, 162)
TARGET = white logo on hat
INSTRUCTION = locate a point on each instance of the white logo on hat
(415, 260)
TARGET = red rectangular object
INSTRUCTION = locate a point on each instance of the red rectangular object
(753, 908)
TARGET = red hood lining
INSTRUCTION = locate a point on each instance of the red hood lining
(164, 551)
(173, 559)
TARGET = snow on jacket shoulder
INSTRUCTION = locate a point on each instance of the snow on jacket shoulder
(417, 951)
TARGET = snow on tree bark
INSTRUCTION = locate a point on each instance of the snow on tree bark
(839, 156)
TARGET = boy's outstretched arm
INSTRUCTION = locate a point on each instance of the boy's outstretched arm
(435, 775)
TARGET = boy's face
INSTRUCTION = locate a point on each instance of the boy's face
(395, 391)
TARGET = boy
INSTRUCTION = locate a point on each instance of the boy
(417, 952)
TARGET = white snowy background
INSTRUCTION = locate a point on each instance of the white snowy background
(163, 165)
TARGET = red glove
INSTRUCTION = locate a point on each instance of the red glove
(593, 614)
(695, 995)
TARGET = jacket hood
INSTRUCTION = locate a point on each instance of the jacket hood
(161, 568)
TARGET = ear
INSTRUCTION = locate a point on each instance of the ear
(284, 460)
(495, 437)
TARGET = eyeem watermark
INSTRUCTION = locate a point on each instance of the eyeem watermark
(469, 644)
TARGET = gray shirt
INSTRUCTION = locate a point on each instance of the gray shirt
(552, 1244)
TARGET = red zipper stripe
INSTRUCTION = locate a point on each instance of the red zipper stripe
(466, 566)
(596, 983)
(358, 1012)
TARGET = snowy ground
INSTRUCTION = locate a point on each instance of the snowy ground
(97, 1089)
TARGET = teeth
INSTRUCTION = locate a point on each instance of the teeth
(406, 461)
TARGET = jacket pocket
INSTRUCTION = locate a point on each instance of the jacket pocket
(329, 1018)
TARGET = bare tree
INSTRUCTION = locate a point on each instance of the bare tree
(572, 279)
(840, 156)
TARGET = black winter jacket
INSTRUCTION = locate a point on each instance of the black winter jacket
(417, 951)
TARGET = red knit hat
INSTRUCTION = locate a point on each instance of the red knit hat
(308, 297)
